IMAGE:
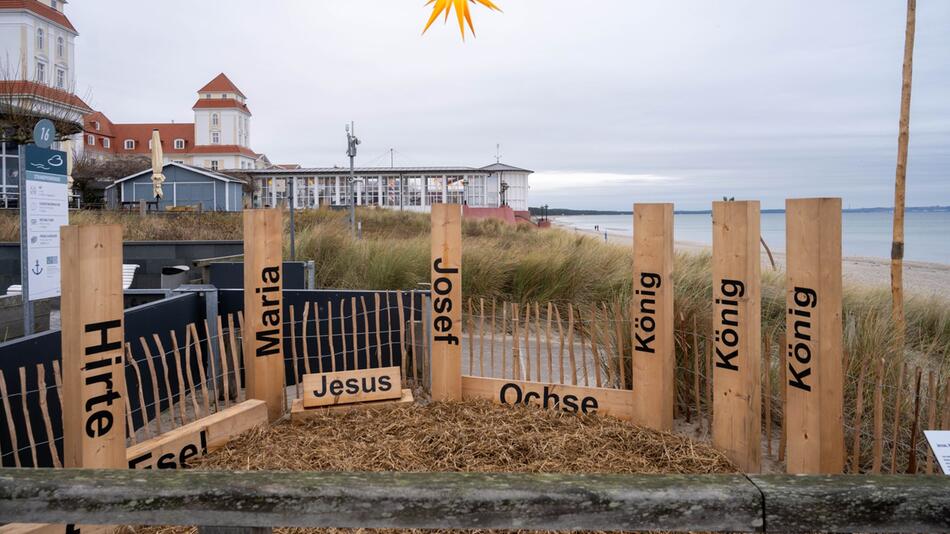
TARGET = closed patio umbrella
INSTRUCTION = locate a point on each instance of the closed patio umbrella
(157, 163)
(68, 148)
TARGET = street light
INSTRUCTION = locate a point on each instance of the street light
(351, 143)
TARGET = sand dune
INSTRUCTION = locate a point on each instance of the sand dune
(920, 278)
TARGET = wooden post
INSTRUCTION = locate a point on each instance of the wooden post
(93, 338)
(263, 337)
(446, 302)
(652, 315)
(900, 181)
(737, 267)
(814, 389)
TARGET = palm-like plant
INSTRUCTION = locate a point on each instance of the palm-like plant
(462, 12)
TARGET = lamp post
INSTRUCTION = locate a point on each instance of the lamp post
(351, 143)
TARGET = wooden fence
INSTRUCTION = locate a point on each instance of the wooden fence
(793, 396)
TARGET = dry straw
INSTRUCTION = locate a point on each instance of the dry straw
(470, 436)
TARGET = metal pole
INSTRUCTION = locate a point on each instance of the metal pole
(351, 142)
(24, 253)
(293, 226)
(351, 194)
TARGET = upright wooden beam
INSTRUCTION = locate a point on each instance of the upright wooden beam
(93, 338)
(737, 267)
(446, 302)
(652, 314)
(814, 406)
(263, 338)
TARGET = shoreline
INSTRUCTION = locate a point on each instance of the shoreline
(920, 278)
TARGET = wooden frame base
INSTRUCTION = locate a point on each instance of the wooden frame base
(300, 415)
(571, 399)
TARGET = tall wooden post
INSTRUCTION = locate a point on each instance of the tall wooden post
(737, 396)
(652, 314)
(900, 181)
(446, 313)
(93, 337)
(263, 309)
(814, 398)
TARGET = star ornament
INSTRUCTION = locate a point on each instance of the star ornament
(462, 12)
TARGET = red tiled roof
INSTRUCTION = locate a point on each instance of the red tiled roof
(105, 125)
(26, 88)
(223, 149)
(220, 103)
(142, 134)
(221, 83)
(38, 8)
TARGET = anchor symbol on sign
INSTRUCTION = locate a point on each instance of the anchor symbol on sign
(37, 269)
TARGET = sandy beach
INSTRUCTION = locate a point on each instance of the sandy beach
(920, 278)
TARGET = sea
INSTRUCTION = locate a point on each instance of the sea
(864, 234)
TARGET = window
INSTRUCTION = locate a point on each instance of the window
(40, 39)
(60, 47)
(41, 72)
(208, 95)
(129, 144)
(91, 140)
(54, 4)
(96, 124)
(214, 119)
(215, 138)
(214, 165)
(60, 78)
(149, 144)
(179, 144)
(106, 143)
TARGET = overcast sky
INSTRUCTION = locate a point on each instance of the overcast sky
(609, 101)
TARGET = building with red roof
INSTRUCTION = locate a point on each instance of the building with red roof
(37, 79)
(218, 139)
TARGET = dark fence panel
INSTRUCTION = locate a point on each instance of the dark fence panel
(45, 348)
(359, 340)
(144, 323)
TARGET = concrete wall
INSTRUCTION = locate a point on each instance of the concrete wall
(151, 256)
(11, 316)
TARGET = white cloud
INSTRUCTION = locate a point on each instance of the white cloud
(755, 99)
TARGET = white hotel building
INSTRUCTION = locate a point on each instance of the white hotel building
(486, 191)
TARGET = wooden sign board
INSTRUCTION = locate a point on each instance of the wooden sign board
(814, 390)
(446, 316)
(263, 312)
(173, 450)
(569, 399)
(652, 313)
(93, 339)
(737, 272)
(348, 387)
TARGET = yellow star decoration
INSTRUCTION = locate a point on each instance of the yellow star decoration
(461, 12)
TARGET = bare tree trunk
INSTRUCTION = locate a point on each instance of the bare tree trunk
(897, 247)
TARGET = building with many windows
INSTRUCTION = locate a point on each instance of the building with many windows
(219, 139)
(37, 80)
(497, 190)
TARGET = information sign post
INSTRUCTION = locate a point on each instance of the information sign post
(43, 210)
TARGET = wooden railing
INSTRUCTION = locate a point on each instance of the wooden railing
(719, 503)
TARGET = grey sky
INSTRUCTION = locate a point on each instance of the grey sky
(610, 101)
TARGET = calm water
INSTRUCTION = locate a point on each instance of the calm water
(927, 234)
